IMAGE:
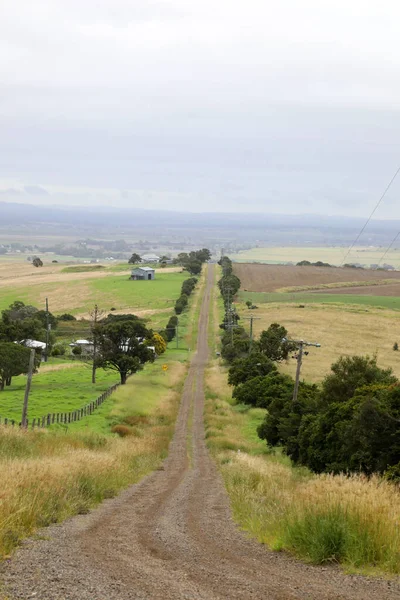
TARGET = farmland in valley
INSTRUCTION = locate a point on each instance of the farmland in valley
(76, 290)
(345, 310)
(276, 278)
(334, 255)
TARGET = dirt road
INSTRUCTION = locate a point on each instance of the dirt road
(171, 537)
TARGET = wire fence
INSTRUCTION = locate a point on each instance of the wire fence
(67, 417)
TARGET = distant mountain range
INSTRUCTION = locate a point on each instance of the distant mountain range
(246, 228)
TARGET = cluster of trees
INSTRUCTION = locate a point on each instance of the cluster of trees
(22, 322)
(235, 341)
(170, 331)
(351, 423)
(187, 288)
(18, 323)
(307, 263)
(193, 261)
(229, 284)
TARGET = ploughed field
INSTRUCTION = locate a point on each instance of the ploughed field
(287, 278)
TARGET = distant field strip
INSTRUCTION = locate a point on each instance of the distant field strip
(338, 285)
(318, 298)
(333, 255)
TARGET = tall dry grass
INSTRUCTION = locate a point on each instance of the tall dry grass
(354, 521)
(47, 476)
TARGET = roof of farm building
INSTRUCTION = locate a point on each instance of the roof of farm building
(143, 269)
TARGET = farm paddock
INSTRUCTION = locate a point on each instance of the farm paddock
(273, 278)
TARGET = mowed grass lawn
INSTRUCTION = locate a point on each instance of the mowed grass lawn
(340, 329)
(55, 388)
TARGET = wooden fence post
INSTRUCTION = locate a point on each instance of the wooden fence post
(6, 421)
(33, 423)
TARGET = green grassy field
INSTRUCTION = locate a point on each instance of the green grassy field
(78, 296)
(332, 254)
(309, 298)
(59, 387)
(157, 294)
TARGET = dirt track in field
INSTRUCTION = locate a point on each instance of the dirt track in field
(171, 537)
(269, 278)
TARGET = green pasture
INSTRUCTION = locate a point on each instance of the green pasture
(80, 295)
(309, 298)
(158, 294)
(333, 255)
(52, 391)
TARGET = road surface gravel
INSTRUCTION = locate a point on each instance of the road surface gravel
(172, 537)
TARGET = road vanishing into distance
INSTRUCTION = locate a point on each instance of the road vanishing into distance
(171, 536)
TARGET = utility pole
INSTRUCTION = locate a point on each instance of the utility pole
(251, 318)
(96, 315)
(28, 388)
(300, 350)
(46, 356)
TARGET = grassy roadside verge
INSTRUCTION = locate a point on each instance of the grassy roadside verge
(352, 521)
(50, 475)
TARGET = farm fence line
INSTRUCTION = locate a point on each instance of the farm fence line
(67, 417)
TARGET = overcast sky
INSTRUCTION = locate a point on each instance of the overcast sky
(289, 106)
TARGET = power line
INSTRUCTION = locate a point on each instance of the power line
(388, 248)
(371, 215)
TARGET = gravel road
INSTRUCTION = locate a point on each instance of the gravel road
(172, 537)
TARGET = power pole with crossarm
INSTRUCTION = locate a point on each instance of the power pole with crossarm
(300, 350)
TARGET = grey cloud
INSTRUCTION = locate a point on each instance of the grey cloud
(227, 106)
(11, 192)
(36, 190)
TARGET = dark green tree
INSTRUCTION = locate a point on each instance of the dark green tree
(122, 346)
(37, 262)
(261, 391)
(135, 259)
(350, 373)
(254, 365)
(14, 360)
(272, 343)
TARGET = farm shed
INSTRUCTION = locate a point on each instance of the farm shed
(142, 273)
(86, 345)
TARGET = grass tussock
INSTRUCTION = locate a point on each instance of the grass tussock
(48, 475)
(353, 521)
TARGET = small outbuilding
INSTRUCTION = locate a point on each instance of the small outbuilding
(86, 346)
(142, 273)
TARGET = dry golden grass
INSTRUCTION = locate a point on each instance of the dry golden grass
(351, 520)
(340, 331)
(49, 475)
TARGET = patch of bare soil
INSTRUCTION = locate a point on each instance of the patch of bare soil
(172, 537)
(269, 278)
(389, 289)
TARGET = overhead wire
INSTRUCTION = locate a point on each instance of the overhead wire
(388, 248)
(371, 215)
